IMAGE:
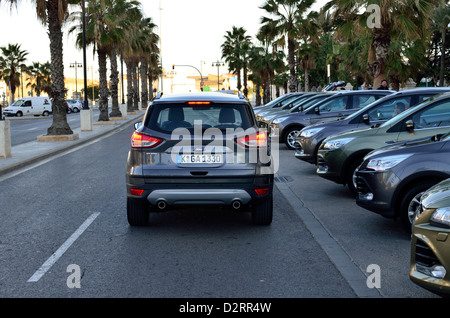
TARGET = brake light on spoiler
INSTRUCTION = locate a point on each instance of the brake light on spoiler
(198, 103)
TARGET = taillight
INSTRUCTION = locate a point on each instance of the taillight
(258, 140)
(139, 140)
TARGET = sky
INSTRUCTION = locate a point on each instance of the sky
(191, 31)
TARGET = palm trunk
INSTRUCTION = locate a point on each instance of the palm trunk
(377, 54)
(239, 83)
(306, 80)
(258, 95)
(135, 87)
(59, 124)
(129, 66)
(245, 80)
(150, 84)
(103, 86)
(144, 88)
(114, 85)
(291, 62)
(441, 75)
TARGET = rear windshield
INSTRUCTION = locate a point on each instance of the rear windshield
(167, 117)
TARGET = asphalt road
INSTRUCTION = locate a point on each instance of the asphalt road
(68, 216)
(28, 128)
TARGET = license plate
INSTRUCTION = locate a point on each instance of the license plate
(200, 158)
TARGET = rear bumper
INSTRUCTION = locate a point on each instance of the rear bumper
(200, 196)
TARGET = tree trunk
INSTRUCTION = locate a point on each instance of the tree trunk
(103, 86)
(239, 84)
(144, 87)
(114, 85)
(258, 95)
(135, 87)
(150, 84)
(291, 62)
(130, 94)
(245, 80)
(377, 54)
(59, 124)
(306, 80)
(441, 75)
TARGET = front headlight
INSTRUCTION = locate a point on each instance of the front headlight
(386, 163)
(337, 143)
(441, 217)
(279, 119)
(307, 133)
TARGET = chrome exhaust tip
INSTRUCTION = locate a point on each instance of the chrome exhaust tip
(236, 204)
(161, 204)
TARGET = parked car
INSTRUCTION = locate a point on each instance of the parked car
(430, 249)
(36, 106)
(391, 179)
(285, 108)
(339, 105)
(75, 105)
(339, 155)
(335, 86)
(163, 172)
(298, 105)
(278, 102)
(310, 137)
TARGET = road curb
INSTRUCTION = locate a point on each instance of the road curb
(335, 252)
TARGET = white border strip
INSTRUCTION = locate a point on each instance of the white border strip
(62, 249)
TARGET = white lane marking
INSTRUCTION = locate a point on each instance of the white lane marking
(62, 249)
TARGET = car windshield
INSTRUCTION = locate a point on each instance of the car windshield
(17, 103)
(167, 117)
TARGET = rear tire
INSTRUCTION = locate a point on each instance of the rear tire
(410, 203)
(262, 212)
(137, 212)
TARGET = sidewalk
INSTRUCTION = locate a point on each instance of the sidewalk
(31, 152)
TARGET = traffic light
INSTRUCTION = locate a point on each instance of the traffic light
(173, 66)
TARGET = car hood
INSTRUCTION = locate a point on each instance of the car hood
(437, 196)
(355, 133)
(411, 146)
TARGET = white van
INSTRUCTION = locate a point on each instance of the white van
(29, 106)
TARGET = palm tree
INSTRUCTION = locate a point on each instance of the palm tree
(441, 20)
(235, 50)
(406, 19)
(282, 24)
(39, 74)
(12, 62)
(52, 13)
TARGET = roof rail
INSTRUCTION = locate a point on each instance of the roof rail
(159, 95)
(241, 96)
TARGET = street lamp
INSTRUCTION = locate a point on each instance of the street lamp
(76, 65)
(218, 64)
(85, 104)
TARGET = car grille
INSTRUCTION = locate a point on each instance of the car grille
(321, 161)
(424, 255)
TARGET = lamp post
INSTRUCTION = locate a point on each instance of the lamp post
(218, 64)
(76, 65)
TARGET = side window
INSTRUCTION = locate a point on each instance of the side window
(421, 98)
(336, 104)
(389, 109)
(360, 101)
(27, 103)
(437, 115)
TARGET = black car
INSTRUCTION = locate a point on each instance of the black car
(199, 150)
(391, 179)
(310, 138)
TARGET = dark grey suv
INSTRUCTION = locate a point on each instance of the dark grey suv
(199, 149)
(391, 179)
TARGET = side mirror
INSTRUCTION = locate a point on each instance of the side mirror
(316, 110)
(409, 124)
(264, 125)
(137, 125)
(365, 118)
